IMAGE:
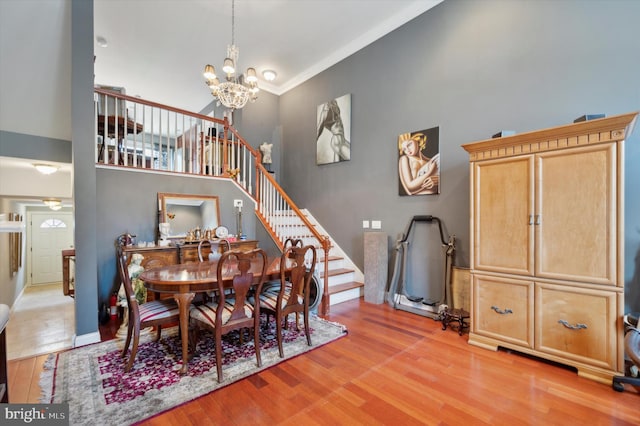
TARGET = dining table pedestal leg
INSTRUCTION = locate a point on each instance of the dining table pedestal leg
(184, 303)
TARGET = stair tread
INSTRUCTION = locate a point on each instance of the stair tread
(331, 257)
(344, 287)
(337, 271)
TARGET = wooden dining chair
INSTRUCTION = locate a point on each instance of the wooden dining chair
(293, 242)
(236, 310)
(154, 313)
(292, 296)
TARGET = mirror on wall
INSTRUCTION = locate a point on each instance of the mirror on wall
(185, 212)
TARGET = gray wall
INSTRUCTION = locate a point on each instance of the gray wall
(135, 210)
(19, 145)
(84, 169)
(258, 122)
(472, 68)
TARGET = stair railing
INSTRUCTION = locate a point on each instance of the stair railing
(284, 220)
(132, 132)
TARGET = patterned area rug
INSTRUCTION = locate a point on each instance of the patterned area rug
(91, 379)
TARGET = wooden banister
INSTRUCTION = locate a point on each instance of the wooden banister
(178, 136)
(161, 106)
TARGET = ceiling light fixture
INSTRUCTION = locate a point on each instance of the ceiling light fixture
(236, 91)
(53, 203)
(46, 169)
(269, 75)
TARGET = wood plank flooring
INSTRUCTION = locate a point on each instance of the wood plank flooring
(393, 368)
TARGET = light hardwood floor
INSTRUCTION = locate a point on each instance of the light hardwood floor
(42, 321)
(394, 368)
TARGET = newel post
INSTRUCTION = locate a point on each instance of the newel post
(324, 304)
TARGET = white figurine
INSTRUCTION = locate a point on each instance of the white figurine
(164, 228)
(265, 148)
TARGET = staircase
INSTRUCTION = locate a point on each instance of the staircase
(345, 280)
(132, 132)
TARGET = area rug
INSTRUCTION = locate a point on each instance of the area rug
(91, 379)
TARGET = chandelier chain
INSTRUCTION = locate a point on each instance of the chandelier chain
(233, 22)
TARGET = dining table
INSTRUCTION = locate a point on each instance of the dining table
(184, 280)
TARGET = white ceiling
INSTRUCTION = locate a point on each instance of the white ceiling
(158, 49)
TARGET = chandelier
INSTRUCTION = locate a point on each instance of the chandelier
(236, 91)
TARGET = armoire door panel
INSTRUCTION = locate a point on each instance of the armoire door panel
(576, 205)
(503, 207)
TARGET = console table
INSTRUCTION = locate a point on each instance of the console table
(116, 127)
(68, 280)
(187, 252)
(156, 257)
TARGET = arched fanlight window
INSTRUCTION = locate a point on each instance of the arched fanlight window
(53, 223)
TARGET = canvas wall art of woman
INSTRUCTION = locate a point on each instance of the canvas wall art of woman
(419, 167)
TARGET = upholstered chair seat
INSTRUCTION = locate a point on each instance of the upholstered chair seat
(269, 298)
(206, 314)
(158, 310)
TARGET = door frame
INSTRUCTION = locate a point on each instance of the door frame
(28, 272)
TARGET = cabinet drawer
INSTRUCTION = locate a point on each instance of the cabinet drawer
(189, 252)
(502, 309)
(154, 257)
(575, 323)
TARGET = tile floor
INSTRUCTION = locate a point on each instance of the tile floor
(42, 321)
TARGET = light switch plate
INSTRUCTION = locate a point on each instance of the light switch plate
(365, 224)
(237, 203)
(376, 224)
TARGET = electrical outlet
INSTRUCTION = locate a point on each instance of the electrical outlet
(365, 224)
(237, 203)
(376, 224)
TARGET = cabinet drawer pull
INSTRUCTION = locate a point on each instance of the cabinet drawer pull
(572, 327)
(500, 311)
(530, 219)
(537, 219)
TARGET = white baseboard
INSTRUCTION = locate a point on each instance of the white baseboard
(86, 339)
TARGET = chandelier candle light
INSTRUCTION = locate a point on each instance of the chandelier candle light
(237, 89)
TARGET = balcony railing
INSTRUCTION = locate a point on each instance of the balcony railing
(132, 132)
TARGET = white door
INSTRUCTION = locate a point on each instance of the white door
(50, 234)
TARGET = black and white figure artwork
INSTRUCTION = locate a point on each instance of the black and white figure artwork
(334, 131)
